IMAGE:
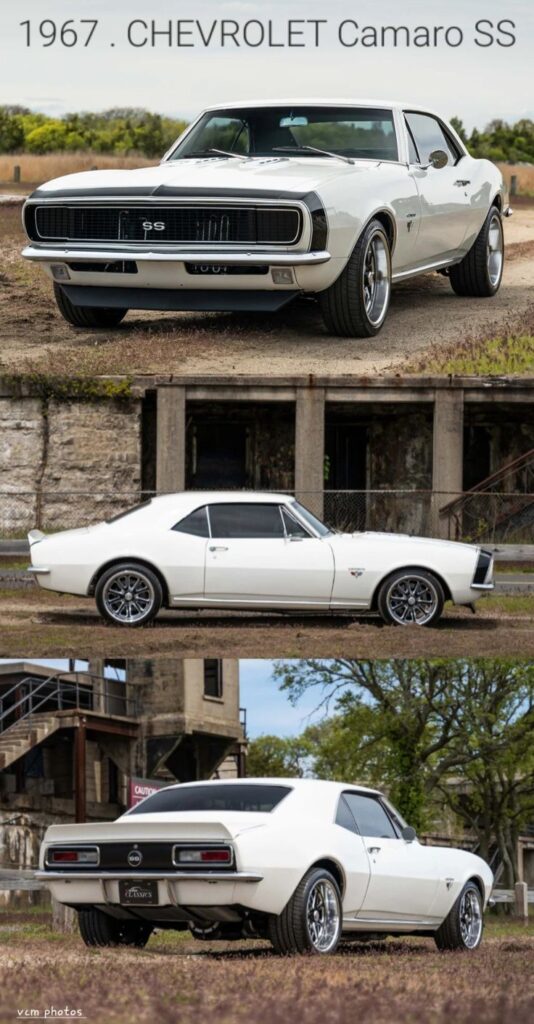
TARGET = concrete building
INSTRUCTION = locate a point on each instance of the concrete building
(71, 743)
(387, 453)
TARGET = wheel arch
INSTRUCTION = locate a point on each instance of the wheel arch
(410, 568)
(334, 867)
(132, 558)
(497, 201)
(386, 218)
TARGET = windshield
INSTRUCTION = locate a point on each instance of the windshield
(262, 798)
(309, 517)
(365, 133)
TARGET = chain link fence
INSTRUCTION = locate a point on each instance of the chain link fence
(491, 517)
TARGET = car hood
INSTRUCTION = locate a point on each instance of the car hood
(403, 538)
(298, 175)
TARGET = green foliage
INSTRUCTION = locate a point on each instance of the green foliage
(118, 131)
(273, 756)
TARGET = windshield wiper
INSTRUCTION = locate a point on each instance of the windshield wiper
(204, 154)
(312, 149)
(226, 152)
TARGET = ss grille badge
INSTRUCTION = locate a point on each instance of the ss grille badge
(135, 858)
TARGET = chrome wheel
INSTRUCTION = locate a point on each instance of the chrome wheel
(128, 596)
(470, 919)
(323, 917)
(376, 278)
(412, 599)
(495, 250)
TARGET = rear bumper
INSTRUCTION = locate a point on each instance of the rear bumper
(139, 876)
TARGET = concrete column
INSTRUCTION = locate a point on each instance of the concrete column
(309, 448)
(447, 453)
(170, 446)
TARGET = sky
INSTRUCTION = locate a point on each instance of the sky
(268, 710)
(473, 82)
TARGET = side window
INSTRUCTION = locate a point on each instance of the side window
(428, 136)
(196, 523)
(344, 816)
(370, 816)
(292, 527)
(253, 521)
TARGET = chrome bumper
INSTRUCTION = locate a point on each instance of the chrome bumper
(140, 876)
(62, 254)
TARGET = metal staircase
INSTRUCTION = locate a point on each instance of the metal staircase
(36, 707)
(491, 511)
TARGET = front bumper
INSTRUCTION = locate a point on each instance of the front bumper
(62, 254)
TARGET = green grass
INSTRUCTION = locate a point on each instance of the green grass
(515, 604)
(490, 357)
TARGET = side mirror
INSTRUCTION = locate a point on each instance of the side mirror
(408, 834)
(438, 159)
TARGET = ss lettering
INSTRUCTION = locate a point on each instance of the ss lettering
(156, 225)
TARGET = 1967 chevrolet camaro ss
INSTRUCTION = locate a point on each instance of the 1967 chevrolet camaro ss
(253, 551)
(258, 203)
(299, 861)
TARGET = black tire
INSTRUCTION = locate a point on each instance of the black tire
(146, 595)
(98, 929)
(86, 316)
(343, 304)
(451, 934)
(390, 598)
(472, 276)
(289, 932)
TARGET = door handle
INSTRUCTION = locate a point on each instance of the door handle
(374, 849)
(214, 547)
(462, 182)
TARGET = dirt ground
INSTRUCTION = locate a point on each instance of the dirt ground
(407, 981)
(45, 625)
(425, 315)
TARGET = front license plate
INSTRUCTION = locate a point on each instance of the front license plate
(138, 893)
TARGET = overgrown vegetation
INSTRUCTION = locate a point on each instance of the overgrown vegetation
(119, 130)
(500, 141)
(481, 357)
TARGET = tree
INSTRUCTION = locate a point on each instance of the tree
(448, 730)
(270, 756)
(458, 126)
(11, 131)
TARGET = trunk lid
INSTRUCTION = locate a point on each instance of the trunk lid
(173, 826)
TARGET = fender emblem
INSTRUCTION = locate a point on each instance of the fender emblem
(356, 572)
(448, 882)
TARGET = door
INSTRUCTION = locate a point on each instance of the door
(404, 881)
(254, 556)
(445, 206)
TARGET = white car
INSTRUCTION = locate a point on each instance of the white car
(299, 861)
(249, 550)
(257, 203)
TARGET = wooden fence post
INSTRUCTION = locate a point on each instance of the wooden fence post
(16, 174)
(513, 185)
(521, 901)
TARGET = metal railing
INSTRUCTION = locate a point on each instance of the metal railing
(489, 516)
(65, 692)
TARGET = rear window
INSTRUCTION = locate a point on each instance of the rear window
(213, 798)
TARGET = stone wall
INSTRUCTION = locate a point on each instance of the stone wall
(79, 461)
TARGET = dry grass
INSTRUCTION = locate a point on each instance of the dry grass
(525, 177)
(176, 978)
(37, 168)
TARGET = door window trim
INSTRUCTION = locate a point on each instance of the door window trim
(451, 142)
(252, 504)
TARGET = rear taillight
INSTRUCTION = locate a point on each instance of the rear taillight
(199, 856)
(73, 856)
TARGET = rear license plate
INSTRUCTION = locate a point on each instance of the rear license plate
(138, 893)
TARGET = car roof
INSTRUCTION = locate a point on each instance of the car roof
(194, 498)
(310, 101)
(294, 782)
